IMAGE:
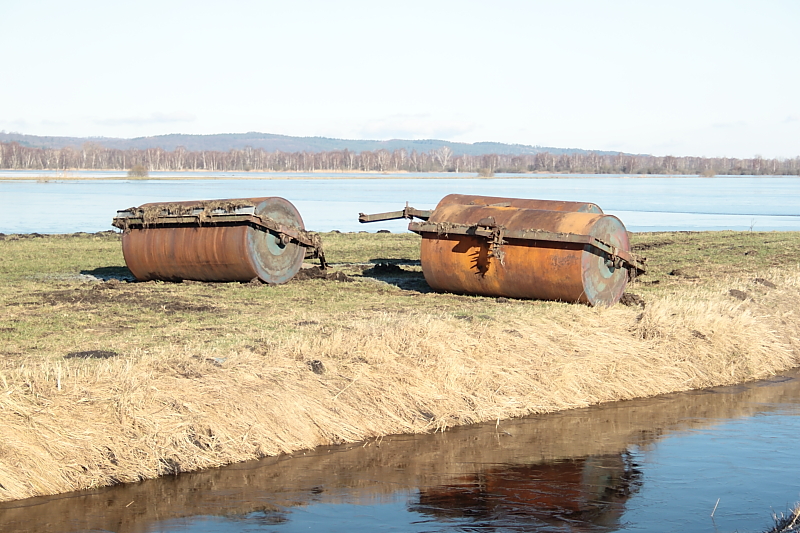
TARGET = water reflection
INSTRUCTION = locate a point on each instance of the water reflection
(580, 494)
(571, 471)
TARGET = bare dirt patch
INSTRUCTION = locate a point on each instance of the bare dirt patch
(140, 296)
(739, 295)
(641, 247)
(318, 273)
(765, 282)
(92, 354)
(632, 300)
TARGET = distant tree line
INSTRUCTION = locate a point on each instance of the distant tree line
(96, 157)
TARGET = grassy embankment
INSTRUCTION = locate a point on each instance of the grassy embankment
(107, 382)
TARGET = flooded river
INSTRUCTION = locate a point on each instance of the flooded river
(764, 203)
(659, 464)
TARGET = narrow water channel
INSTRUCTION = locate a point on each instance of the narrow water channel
(658, 464)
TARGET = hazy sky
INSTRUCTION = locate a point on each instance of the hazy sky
(679, 77)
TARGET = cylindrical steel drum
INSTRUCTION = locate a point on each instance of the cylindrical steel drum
(550, 205)
(217, 251)
(525, 267)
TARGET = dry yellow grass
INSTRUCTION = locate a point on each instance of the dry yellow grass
(72, 424)
(379, 468)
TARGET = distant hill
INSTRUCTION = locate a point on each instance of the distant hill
(223, 142)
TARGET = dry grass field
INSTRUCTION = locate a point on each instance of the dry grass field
(104, 381)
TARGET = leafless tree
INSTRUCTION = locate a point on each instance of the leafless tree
(443, 156)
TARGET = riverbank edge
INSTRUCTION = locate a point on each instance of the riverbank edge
(79, 424)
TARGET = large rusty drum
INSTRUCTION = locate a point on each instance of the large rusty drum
(522, 248)
(527, 203)
(525, 268)
(216, 240)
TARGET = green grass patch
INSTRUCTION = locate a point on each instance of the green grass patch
(54, 304)
(678, 258)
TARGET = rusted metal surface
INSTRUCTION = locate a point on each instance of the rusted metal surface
(500, 247)
(407, 212)
(526, 267)
(489, 229)
(217, 240)
(464, 199)
(525, 203)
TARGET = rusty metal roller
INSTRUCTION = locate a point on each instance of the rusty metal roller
(550, 205)
(567, 251)
(216, 240)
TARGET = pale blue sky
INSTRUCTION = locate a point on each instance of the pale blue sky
(679, 77)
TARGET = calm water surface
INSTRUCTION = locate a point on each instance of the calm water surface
(643, 204)
(657, 465)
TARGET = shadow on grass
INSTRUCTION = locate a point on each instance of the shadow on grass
(120, 273)
(385, 260)
(390, 271)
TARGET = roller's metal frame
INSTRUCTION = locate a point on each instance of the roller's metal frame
(128, 218)
(497, 234)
